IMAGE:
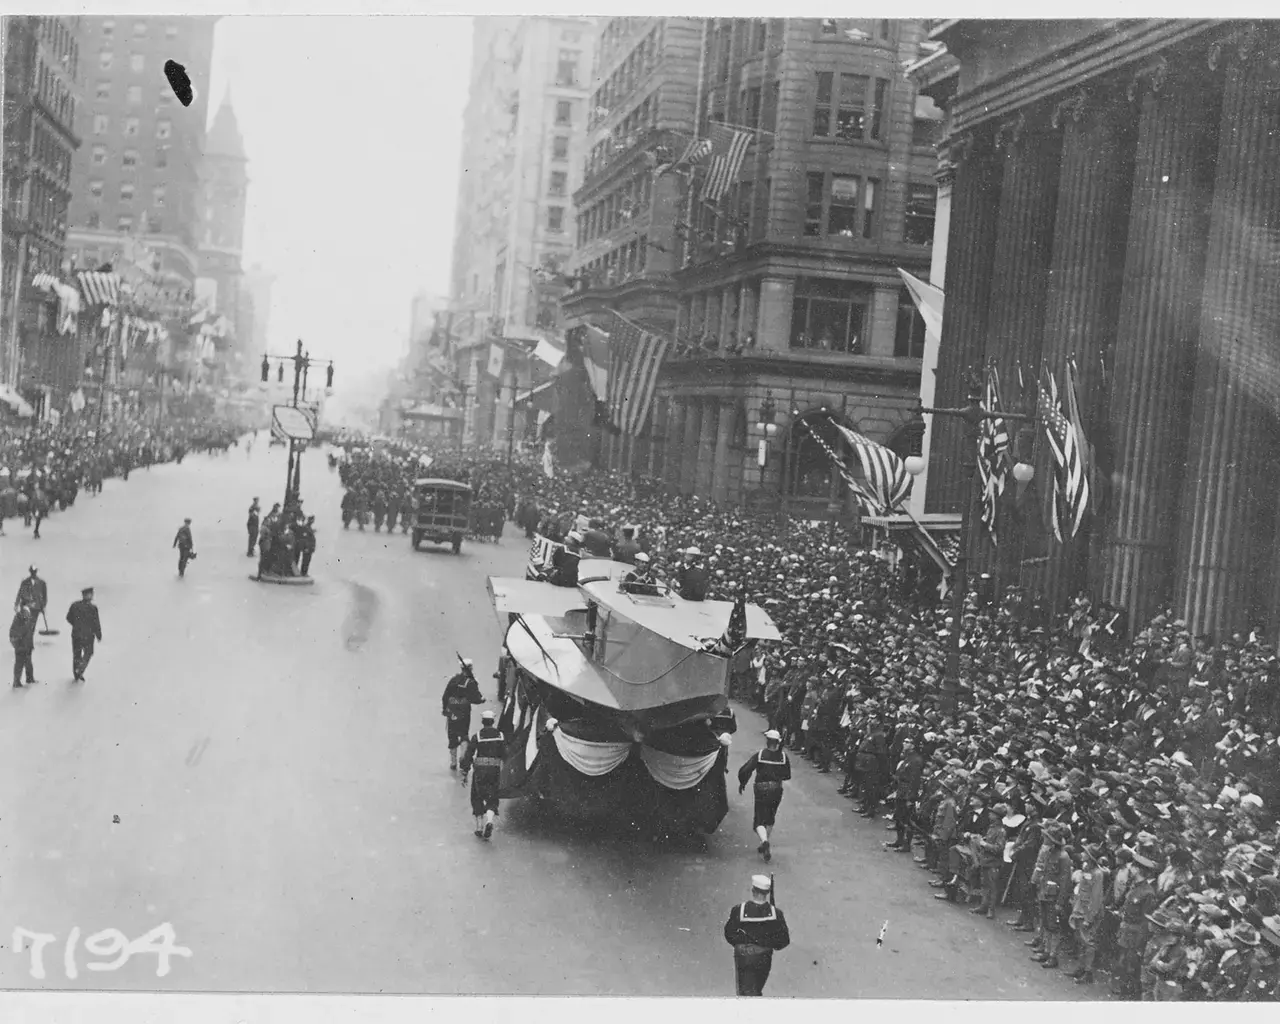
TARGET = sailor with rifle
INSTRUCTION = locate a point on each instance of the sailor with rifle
(756, 929)
(460, 692)
(772, 767)
(485, 752)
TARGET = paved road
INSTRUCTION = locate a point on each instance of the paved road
(276, 759)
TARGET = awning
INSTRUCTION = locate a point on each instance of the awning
(15, 401)
(935, 535)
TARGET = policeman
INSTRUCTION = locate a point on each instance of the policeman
(185, 545)
(693, 579)
(772, 767)
(485, 752)
(755, 930)
(86, 627)
(252, 526)
(32, 591)
(459, 694)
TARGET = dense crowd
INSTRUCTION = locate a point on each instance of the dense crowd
(1118, 795)
(44, 466)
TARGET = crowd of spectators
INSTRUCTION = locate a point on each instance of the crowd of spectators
(1118, 796)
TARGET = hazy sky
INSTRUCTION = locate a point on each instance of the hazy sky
(352, 129)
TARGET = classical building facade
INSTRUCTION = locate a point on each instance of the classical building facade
(1115, 203)
(41, 89)
(524, 130)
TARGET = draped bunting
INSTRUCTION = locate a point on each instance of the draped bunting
(100, 288)
(675, 771)
(588, 757)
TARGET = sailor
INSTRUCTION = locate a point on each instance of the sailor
(459, 694)
(755, 930)
(564, 563)
(772, 767)
(640, 579)
(485, 751)
(693, 579)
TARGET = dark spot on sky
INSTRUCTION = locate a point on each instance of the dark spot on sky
(179, 82)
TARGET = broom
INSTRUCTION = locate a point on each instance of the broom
(47, 631)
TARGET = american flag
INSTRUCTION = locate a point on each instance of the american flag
(695, 152)
(993, 454)
(864, 498)
(887, 479)
(541, 551)
(1070, 481)
(635, 357)
(100, 288)
(735, 634)
(729, 149)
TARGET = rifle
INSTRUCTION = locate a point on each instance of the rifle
(773, 891)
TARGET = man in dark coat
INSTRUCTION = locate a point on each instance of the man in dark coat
(693, 580)
(906, 793)
(85, 629)
(627, 548)
(185, 545)
(485, 752)
(32, 591)
(460, 693)
(756, 930)
(595, 542)
(252, 527)
(22, 635)
(306, 545)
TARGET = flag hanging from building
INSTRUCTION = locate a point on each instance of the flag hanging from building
(496, 356)
(548, 462)
(888, 482)
(929, 300)
(729, 149)
(1077, 426)
(595, 360)
(994, 454)
(865, 501)
(695, 152)
(635, 357)
(1070, 482)
(99, 288)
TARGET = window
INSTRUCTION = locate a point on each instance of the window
(822, 106)
(108, 27)
(813, 205)
(102, 91)
(130, 127)
(163, 129)
(559, 181)
(851, 113)
(751, 107)
(908, 341)
(926, 130)
(842, 219)
(105, 59)
(560, 147)
(129, 158)
(134, 95)
(759, 34)
(126, 192)
(137, 63)
(877, 106)
(830, 26)
(140, 29)
(100, 124)
(567, 68)
(162, 156)
(922, 201)
(827, 315)
(165, 98)
(99, 154)
(882, 28)
(124, 222)
(95, 221)
(564, 112)
(555, 218)
(157, 195)
(95, 189)
(869, 207)
(171, 31)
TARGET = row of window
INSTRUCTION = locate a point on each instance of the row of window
(623, 81)
(137, 61)
(643, 118)
(133, 94)
(127, 191)
(619, 264)
(840, 206)
(849, 107)
(617, 208)
(62, 43)
(130, 157)
(48, 207)
(139, 29)
(51, 153)
(132, 125)
(567, 69)
(151, 223)
(734, 40)
(54, 93)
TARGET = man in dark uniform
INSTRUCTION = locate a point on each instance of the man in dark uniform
(348, 508)
(756, 930)
(85, 629)
(640, 579)
(595, 542)
(564, 563)
(772, 767)
(22, 636)
(252, 526)
(185, 545)
(485, 752)
(627, 548)
(32, 591)
(693, 580)
(907, 778)
(306, 545)
(459, 694)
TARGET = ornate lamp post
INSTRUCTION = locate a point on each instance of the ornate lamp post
(302, 363)
(973, 415)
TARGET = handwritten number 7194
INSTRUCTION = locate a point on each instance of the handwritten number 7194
(108, 943)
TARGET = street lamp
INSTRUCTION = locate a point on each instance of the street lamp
(768, 428)
(973, 415)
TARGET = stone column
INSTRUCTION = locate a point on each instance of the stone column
(673, 458)
(706, 447)
(974, 213)
(1224, 577)
(1085, 274)
(1032, 150)
(689, 460)
(720, 468)
(1156, 331)
(773, 322)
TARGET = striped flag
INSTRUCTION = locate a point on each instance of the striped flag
(99, 288)
(994, 454)
(888, 481)
(541, 553)
(729, 149)
(1070, 481)
(548, 461)
(695, 152)
(863, 497)
(635, 357)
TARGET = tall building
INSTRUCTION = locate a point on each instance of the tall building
(224, 183)
(786, 290)
(524, 130)
(138, 171)
(41, 89)
(255, 325)
(1115, 209)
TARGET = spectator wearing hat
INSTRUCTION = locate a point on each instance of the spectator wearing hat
(771, 768)
(86, 628)
(485, 752)
(756, 929)
(1088, 910)
(564, 563)
(1164, 959)
(1026, 848)
(873, 755)
(692, 580)
(989, 853)
(1052, 879)
(627, 548)
(942, 831)
(1139, 901)
(907, 777)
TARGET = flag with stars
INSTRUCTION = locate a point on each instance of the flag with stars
(1070, 480)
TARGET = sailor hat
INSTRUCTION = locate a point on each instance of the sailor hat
(773, 734)
(487, 716)
(761, 883)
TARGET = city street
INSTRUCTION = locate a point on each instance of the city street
(264, 769)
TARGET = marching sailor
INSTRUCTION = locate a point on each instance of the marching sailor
(460, 692)
(772, 767)
(755, 930)
(485, 752)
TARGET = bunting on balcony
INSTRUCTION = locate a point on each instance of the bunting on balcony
(99, 289)
(68, 300)
(635, 357)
